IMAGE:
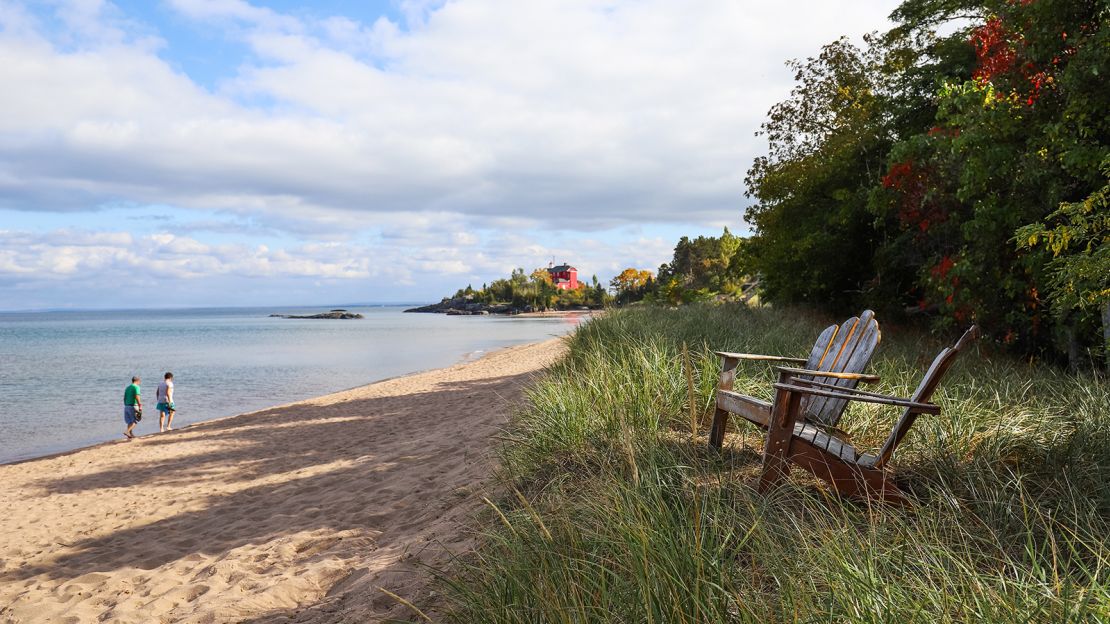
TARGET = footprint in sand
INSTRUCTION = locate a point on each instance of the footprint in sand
(188, 593)
(92, 578)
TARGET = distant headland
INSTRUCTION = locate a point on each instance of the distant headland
(545, 289)
(333, 314)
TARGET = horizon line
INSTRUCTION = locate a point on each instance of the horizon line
(373, 304)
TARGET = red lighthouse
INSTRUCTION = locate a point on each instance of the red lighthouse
(564, 276)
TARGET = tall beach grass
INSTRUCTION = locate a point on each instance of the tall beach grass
(617, 512)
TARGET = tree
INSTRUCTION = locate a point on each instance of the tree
(541, 276)
(1016, 136)
(826, 146)
(707, 263)
(630, 279)
(1079, 272)
(631, 284)
(901, 173)
(600, 297)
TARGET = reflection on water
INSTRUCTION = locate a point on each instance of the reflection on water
(62, 374)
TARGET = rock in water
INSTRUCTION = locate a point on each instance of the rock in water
(334, 314)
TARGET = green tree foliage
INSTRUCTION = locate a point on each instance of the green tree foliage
(535, 290)
(701, 268)
(903, 173)
(1078, 235)
(826, 145)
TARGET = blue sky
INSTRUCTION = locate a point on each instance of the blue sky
(170, 153)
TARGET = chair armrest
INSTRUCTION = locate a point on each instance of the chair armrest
(803, 371)
(752, 356)
(922, 408)
(836, 388)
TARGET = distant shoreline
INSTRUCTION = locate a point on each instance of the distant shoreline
(558, 314)
(465, 307)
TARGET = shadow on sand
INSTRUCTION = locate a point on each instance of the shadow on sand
(336, 468)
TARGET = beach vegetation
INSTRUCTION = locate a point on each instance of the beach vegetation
(614, 510)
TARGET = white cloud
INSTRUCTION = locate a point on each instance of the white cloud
(235, 10)
(63, 253)
(431, 263)
(581, 113)
(382, 159)
(463, 239)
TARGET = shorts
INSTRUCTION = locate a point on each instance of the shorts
(129, 415)
(165, 407)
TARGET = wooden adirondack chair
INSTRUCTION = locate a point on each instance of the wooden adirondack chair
(791, 439)
(845, 349)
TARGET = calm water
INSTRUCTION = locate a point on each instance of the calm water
(62, 374)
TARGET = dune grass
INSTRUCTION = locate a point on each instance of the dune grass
(619, 513)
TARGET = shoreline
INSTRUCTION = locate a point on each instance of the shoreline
(298, 510)
(465, 358)
(558, 314)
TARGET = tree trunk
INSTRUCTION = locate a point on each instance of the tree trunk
(1073, 347)
(1106, 332)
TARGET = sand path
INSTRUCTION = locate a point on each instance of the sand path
(296, 513)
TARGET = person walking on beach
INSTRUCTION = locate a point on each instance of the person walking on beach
(165, 405)
(132, 406)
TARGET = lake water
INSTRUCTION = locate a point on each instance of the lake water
(62, 374)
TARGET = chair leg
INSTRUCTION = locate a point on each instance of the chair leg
(775, 469)
(880, 485)
(848, 480)
(866, 484)
(720, 417)
(717, 433)
(780, 432)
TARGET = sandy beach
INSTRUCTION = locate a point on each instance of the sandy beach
(298, 513)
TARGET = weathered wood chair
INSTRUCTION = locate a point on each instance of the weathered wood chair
(845, 349)
(791, 439)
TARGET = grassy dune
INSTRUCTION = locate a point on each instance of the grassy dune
(620, 514)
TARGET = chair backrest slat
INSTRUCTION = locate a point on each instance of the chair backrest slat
(848, 350)
(820, 351)
(853, 358)
(924, 392)
(821, 347)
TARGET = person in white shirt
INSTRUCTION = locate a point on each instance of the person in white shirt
(165, 404)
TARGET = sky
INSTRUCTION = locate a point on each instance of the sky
(175, 153)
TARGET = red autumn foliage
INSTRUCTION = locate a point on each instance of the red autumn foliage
(941, 131)
(898, 175)
(994, 52)
(997, 50)
(945, 288)
(913, 182)
(941, 270)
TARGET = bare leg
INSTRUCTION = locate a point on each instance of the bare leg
(161, 421)
(128, 433)
(169, 420)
